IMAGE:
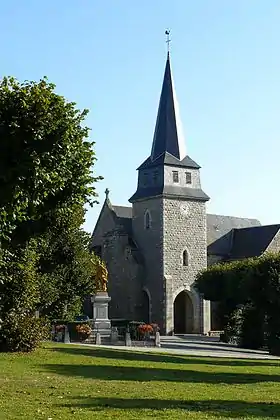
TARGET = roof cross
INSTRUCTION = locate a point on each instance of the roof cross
(168, 40)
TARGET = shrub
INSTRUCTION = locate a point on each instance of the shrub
(124, 325)
(22, 332)
(133, 329)
(254, 285)
(252, 327)
(233, 326)
(72, 328)
(273, 330)
(83, 331)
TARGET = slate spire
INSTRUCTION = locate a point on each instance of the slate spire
(168, 136)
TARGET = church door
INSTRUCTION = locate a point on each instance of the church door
(183, 314)
(145, 307)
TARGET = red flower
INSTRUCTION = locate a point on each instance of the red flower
(145, 328)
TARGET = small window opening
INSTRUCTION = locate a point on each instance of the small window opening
(185, 258)
(188, 178)
(175, 176)
(147, 220)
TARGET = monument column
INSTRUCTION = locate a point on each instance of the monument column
(100, 301)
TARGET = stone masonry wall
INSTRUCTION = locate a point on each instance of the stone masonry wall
(105, 224)
(184, 232)
(150, 242)
(195, 178)
(274, 245)
(124, 286)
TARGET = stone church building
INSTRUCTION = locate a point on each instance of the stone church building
(155, 247)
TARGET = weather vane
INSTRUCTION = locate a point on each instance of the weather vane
(168, 40)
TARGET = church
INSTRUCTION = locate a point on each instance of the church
(155, 247)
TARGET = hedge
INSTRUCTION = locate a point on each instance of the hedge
(252, 285)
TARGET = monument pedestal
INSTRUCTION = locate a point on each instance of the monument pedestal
(101, 322)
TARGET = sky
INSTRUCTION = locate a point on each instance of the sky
(109, 56)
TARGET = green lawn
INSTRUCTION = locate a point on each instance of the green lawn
(75, 382)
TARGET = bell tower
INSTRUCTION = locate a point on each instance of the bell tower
(169, 223)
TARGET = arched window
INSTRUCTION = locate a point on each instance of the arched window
(185, 258)
(147, 220)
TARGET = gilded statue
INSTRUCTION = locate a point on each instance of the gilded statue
(101, 276)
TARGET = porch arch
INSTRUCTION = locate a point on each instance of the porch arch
(183, 312)
(146, 305)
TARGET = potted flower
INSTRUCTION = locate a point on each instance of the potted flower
(145, 330)
(59, 331)
(155, 328)
(83, 331)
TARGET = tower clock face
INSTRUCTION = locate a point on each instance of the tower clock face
(184, 209)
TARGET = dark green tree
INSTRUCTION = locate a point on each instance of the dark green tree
(46, 175)
(66, 267)
(45, 158)
(249, 294)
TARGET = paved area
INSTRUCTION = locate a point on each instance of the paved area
(197, 346)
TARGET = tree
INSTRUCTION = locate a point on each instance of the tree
(45, 180)
(45, 162)
(252, 287)
(66, 267)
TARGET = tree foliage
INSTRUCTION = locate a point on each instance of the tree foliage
(45, 162)
(46, 178)
(254, 286)
(67, 268)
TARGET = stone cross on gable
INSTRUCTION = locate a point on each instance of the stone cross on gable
(107, 191)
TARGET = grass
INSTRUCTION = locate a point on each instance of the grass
(78, 382)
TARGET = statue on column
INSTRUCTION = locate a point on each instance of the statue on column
(101, 276)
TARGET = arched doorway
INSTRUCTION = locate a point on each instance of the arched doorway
(145, 307)
(183, 314)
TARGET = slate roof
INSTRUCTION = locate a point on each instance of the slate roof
(250, 242)
(167, 159)
(124, 217)
(168, 136)
(122, 211)
(219, 232)
(169, 191)
(227, 236)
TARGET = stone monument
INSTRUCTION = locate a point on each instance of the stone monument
(100, 301)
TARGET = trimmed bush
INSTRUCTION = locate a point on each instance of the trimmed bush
(233, 326)
(254, 285)
(23, 333)
(252, 327)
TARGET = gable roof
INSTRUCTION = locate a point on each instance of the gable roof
(122, 211)
(123, 217)
(169, 191)
(167, 159)
(227, 236)
(219, 232)
(251, 242)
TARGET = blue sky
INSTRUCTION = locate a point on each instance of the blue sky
(109, 57)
